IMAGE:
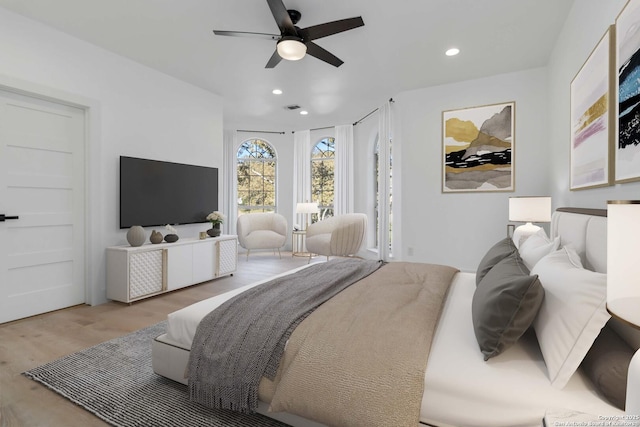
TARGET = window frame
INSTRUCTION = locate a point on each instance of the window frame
(265, 155)
(326, 210)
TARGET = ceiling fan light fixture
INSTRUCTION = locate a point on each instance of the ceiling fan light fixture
(291, 48)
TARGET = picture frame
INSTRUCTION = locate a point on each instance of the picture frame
(593, 105)
(478, 149)
(627, 145)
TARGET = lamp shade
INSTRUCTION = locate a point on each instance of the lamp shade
(530, 209)
(307, 208)
(291, 48)
(623, 268)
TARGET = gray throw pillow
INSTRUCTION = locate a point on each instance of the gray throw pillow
(497, 253)
(504, 305)
(607, 365)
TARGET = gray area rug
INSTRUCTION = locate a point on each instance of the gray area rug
(114, 380)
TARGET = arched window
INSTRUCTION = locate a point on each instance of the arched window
(256, 168)
(323, 157)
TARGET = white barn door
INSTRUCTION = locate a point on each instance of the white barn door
(42, 184)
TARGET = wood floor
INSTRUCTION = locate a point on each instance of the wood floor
(27, 343)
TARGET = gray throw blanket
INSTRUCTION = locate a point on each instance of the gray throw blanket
(243, 339)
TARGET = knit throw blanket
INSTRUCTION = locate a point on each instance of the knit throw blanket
(243, 340)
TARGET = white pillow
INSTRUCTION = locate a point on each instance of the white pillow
(536, 247)
(572, 313)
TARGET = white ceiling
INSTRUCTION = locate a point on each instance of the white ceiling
(401, 47)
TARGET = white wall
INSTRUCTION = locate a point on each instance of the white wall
(139, 112)
(133, 110)
(586, 24)
(457, 229)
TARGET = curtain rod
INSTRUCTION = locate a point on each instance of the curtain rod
(326, 127)
(365, 117)
(261, 131)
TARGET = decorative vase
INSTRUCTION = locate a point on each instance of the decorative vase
(214, 231)
(170, 238)
(136, 236)
(156, 237)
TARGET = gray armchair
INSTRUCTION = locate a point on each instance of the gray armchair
(340, 235)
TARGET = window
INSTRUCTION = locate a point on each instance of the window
(256, 170)
(322, 176)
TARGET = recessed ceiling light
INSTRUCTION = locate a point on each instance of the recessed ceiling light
(277, 92)
(304, 112)
(452, 52)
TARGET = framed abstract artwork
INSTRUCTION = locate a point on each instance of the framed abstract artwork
(593, 117)
(627, 150)
(477, 147)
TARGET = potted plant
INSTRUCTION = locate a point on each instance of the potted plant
(173, 234)
(215, 218)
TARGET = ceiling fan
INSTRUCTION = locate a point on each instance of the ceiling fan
(293, 42)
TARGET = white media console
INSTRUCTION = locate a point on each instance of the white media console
(139, 272)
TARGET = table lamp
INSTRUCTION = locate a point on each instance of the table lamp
(623, 280)
(528, 210)
(306, 209)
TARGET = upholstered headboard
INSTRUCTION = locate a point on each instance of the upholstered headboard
(586, 231)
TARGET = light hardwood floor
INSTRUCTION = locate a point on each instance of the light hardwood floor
(27, 343)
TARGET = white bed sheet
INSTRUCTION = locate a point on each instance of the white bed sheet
(511, 389)
(461, 389)
(182, 324)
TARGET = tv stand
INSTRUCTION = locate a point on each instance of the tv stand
(134, 273)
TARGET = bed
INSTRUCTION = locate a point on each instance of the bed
(514, 386)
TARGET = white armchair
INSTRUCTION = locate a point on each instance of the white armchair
(340, 235)
(262, 231)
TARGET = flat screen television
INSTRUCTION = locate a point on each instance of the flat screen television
(154, 193)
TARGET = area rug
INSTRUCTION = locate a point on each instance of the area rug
(114, 380)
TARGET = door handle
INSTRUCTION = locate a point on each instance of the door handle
(4, 217)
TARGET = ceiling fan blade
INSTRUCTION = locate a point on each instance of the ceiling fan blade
(274, 60)
(323, 54)
(323, 30)
(247, 34)
(282, 17)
